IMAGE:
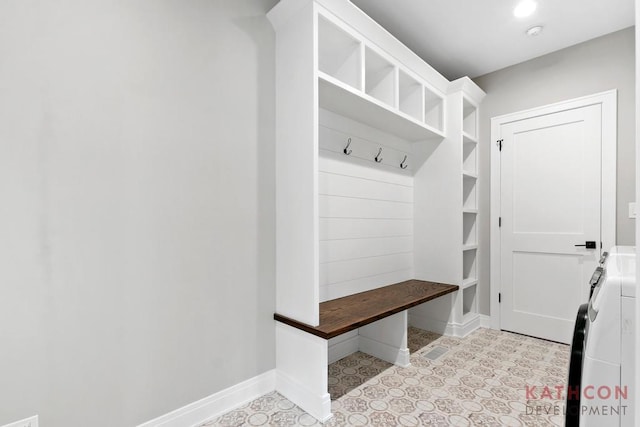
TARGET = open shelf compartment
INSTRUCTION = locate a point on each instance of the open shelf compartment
(339, 54)
(341, 99)
(469, 265)
(410, 96)
(469, 301)
(469, 157)
(469, 198)
(469, 229)
(469, 119)
(379, 76)
(433, 109)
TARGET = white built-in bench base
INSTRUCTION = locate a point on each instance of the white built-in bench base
(374, 322)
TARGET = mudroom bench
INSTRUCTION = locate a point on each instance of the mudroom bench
(380, 318)
(345, 314)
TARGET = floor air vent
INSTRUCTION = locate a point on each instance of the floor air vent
(435, 353)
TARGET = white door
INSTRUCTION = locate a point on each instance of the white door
(550, 201)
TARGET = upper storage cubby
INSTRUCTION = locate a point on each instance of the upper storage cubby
(379, 76)
(433, 109)
(361, 81)
(339, 54)
(410, 96)
(469, 120)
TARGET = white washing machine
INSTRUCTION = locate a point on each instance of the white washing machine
(603, 349)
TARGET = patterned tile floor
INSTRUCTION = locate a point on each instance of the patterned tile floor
(479, 381)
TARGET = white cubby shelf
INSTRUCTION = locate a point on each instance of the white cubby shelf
(342, 99)
(469, 175)
(469, 282)
(352, 70)
(469, 120)
(339, 54)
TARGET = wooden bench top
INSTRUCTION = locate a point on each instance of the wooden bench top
(351, 312)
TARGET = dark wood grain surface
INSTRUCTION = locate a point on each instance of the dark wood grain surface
(351, 312)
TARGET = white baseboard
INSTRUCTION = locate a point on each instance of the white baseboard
(449, 329)
(470, 325)
(27, 422)
(430, 324)
(217, 404)
(485, 321)
(317, 406)
(386, 352)
(343, 348)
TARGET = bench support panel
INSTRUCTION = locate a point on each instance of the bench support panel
(302, 370)
(386, 339)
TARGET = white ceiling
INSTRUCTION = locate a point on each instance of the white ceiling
(475, 37)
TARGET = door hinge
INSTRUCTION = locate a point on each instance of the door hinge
(499, 144)
(499, 297)
(499, 221)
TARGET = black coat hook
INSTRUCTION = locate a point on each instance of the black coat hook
(346, 149)
(403, 165)
(378, 159)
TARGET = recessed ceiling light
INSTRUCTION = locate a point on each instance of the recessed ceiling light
(525, 8)
(534, 31)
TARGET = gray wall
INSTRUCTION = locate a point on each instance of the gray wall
(137, 205)
(595, 66)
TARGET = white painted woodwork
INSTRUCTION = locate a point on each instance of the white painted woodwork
(469, 303)
(302, 370)
(410, 97)
(365, 209)
(351, 249)
(347, 223)
(550, 201)
(469, 119)
(433, 109)
(360, 284)
(297, 157)
(437, 200)
(212, 406)
(342, 99)
(436, 316)
(469, 192)
(449, 175)
(469, 229)
(386, 339)
(343, 345)
(379, 77)
(607, 100)
(440, 178)
(339, 185)
(380, 37)
(346, 207)
(469, 265)
(361, 162)
(392, 94)
(342, 271)
(469, 157)
(469, 295)
(339, 54)
(356, 228)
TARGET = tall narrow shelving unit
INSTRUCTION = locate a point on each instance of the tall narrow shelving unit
(471, 96)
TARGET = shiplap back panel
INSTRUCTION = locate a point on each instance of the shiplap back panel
(365, 208)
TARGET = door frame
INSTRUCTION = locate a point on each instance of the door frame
(608, 102)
